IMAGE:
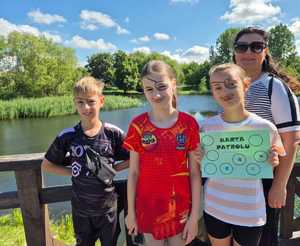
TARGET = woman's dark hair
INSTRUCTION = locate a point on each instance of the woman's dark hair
(268, 64)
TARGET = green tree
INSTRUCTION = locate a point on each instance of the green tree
(43, 67)
(282, 44)
(224, 47)
(127, 74)
(101, 66)
(191, 74)
(140, 59)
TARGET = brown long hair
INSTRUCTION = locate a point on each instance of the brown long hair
(161, 68)
(268, 64)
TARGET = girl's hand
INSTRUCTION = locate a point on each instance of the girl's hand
(131, 224)
(190, 230)
(273, 157)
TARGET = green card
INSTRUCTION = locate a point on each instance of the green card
(236, 154)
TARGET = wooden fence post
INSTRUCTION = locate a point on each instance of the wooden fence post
(29, 184)
(287, 212)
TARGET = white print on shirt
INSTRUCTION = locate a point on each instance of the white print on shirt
(77, 151)
(76, 168)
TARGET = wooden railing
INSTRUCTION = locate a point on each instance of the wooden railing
(33, 198)
(289, 223)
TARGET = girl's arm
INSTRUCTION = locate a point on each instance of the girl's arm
(50, 167)
(277, 194)
(131, 192)
(191, 228)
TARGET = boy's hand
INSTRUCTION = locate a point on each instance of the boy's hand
(190, 230)
(273, 157)
(131, 224)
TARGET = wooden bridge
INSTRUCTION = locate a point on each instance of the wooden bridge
(33, 198)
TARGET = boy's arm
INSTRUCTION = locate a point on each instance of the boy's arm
(50, 167)
(121, 166)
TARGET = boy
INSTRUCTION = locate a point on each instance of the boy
(90, 148)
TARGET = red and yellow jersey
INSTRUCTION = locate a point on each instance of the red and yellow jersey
(163, 194)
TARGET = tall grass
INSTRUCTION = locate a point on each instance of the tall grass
(12, 231)
(54, 106)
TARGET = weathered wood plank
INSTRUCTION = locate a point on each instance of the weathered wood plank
(29, 185)
(46, 196)
(9, 200)
(289, 242)
(21, 162)
(287, 212)
(56, 194)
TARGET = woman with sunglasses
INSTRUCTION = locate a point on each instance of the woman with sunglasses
(270, 97)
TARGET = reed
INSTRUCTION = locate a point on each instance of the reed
(55, 106)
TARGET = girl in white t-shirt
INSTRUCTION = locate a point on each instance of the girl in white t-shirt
(235, 208)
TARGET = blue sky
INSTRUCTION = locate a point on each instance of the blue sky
(181, 29)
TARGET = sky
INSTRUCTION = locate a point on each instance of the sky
(181, 29)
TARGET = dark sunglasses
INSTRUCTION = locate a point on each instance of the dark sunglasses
(255, 47)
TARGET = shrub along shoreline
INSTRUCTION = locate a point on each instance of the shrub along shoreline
(46, 107)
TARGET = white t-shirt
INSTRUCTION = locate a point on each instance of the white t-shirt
(238, 201)
(282, 108)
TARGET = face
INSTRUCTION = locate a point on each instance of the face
(88, 105)
(254, 56)
(228, 88)
(159, 90)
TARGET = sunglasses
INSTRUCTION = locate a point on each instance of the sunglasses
(255, 47)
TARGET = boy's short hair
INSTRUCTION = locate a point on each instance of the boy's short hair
(88, 84)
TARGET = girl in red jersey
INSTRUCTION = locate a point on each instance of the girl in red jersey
(164, 178)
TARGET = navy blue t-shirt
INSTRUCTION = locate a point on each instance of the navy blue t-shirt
(89, 195)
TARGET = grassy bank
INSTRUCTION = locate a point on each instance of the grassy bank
(54, 106)
(12, 231)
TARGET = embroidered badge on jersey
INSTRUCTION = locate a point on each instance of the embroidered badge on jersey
(149, 141)
(180, 141)
(76, 168)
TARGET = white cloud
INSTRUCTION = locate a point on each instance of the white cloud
(144, 49)
(184, 1)
(42, 18)
(88, 26)
(194, 54)
(54, 37)
(80, 42)
(127, 20)
(91, 20)
(143, 39)
(121, 30)
(6, 28)
(161, 36)
(295, 28)
(249, 12)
